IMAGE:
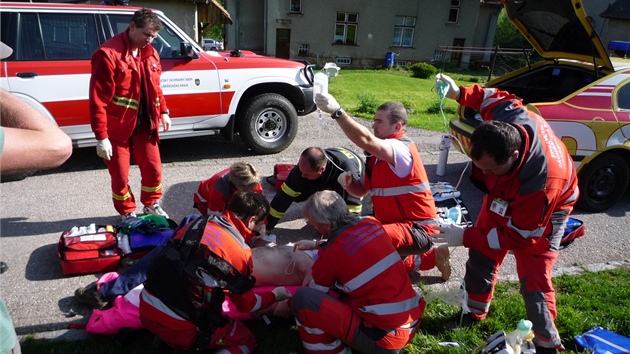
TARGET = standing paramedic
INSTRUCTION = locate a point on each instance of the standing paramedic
(126, 107)
(360, 294)
(187, 282)
(398, 183)
(531, 186)
(317, 169)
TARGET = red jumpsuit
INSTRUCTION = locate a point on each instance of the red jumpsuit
(373, 302)
(121, 87)
(540, 193)
(221, 236)
(215, 193)
(398, 202)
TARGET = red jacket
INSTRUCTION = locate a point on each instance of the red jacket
(115, 88)
(540, 190)
(215, 193)
(397, 199)
(360, 261)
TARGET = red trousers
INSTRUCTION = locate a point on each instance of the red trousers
(233, 338)
(534, 266)
(144, 150)
(327, 324)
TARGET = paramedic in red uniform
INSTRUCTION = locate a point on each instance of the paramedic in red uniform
(531, 186)
(164, 299)
(317, 169)
(360, 294)
(215, 193)
(126, 108)
(395, 176)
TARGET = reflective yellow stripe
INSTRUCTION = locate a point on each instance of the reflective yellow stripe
(152, 189)
(125, 102)
(356, 209)
(290, 192)
(276, 214)
(121, 197)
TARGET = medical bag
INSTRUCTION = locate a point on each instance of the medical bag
(281, 172)
(574, 229)
(89, 250)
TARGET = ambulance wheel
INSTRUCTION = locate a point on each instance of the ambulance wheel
(268, 123)
(603, 182)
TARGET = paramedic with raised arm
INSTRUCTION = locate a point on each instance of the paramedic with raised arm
(531, 186)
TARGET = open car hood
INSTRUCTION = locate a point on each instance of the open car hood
(558, 29)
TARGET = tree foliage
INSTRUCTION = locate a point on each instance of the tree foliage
(507, 35)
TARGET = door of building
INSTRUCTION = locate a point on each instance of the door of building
(283, 43)
(456, 56)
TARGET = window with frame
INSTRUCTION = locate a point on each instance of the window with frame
(303, 49)
(403, 31)
(346, 28)
(453, 14)
(295, 6)
(167, 43)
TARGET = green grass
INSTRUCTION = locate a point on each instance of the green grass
(353, 87)
(583, 302)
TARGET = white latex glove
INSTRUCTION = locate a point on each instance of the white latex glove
(281, 293)
(104, 149)
(451, 236)
(453, 90)
(305, 245)
(166, 122)
(345, 179)
(326, 102)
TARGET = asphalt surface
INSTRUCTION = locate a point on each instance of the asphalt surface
(35, 211)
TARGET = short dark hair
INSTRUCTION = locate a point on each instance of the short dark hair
(396, 112)
(144, 17)
(496, 139)
(247, 204)
(316, 157)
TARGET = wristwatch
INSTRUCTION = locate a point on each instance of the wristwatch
(166, 112)
(337, 114)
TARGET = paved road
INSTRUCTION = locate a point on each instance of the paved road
(35, 211)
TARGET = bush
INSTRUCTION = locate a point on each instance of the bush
(434, 108)
(367, 103)
(423, 70)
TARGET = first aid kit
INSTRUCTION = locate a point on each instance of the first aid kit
(89, 249)
(281, 172)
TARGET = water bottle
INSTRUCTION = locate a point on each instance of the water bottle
(320, 85)
(522, 334)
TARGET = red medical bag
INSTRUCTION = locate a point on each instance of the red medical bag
(281, 173)
(90, 252)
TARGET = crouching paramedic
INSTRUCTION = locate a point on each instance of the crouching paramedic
(186, 284)
(360, 294)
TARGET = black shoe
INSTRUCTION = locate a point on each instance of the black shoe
(541, 350)
(90, 296)
(460, 321)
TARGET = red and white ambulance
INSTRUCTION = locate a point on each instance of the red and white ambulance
(258, 97)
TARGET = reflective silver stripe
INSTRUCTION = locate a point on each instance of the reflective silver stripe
(487, 93)
(527, 233)
(309, 329)
(391, 308)
(203, 200)
(427, 222)
(159, 305)
(573, 196)
(493, 239)
(315, 286)
(392, 191)
(370, 273)
(478, 307)
(258, 303)
(322, 346)
(409, 325)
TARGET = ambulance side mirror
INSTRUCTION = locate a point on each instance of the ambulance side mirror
(186, 51)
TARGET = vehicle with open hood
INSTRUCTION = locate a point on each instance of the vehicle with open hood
(577, 89)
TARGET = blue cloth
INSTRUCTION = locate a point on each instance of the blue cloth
(602, 341)
(136, 274)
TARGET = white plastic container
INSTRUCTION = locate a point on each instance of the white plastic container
(320, 85)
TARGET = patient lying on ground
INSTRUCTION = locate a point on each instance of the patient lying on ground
(280, 265)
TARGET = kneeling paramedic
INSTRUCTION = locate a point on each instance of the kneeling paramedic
(186, 284)
(360, 295)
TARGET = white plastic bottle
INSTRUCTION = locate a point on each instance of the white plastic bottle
(520, 335)
(320, 85)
